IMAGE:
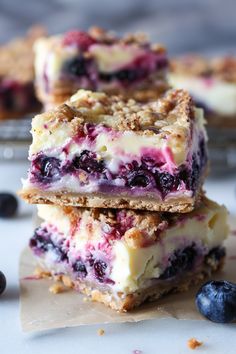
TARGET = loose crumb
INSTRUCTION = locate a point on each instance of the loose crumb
(193, 343)
(41, 274)
(56, 288)
(101, 332)
(67, 281)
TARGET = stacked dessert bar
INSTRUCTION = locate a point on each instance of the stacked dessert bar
(17, 95)
(118, 183)
(127, 220)
(99, 61)
(212, 83)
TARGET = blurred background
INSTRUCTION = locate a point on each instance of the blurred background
(182, 25)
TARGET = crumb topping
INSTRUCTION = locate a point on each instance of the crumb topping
(16, 57)
(138, 228)
(170, 114)
(223, 68)
(101, 332)
(56, 288)
(193, 343)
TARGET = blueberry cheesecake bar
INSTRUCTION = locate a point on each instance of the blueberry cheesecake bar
(212, 83)
(98, 61)
(123, 258)
(104, 151)
(17, 94)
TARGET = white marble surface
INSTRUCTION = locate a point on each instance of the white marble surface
(157, 336)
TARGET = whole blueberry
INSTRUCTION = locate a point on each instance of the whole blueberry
(80, 268)
(46, 169)
(76, 66)
(3, 282)
(139, 178)
(165, 182)
(88, 162)
(8, 205)
(216, 300)
(100, 270)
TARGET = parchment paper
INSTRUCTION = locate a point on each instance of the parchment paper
(41, 310)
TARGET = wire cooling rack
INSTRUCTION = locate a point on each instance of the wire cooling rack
(15, 138)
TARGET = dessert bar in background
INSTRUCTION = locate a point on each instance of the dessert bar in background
(104, 151)
(98, 61)
(17, 95)
(125, 257)
(212, 83)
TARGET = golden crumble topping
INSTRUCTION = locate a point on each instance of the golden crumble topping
(193, 343)
(16, 57)
(170, 114)
(223, 68)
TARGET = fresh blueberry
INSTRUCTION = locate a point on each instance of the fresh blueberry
(99, 270)
(80, 268)
(180, 261)
(76, 66)
(216, 300)
(165, 182)
(8, 205)
(87, 161)
(46, 169)
(139, 178)
(3, 282)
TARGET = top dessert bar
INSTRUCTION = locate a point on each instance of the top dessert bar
(17, 95)
(104, 151)
(212, 82)
(98, 61)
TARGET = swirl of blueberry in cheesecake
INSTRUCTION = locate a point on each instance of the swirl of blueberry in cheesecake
(104, 151)
(211, 82)
(125, 257)
(98, 61)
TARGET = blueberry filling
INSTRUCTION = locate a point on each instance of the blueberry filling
(80, 268)
(125, 75)
(140, 178)
(100, 270)
(76, 66)
(18, 96)
(166, 182)
(41, 242)
(181, 261)
(145, 174)
(46, 169)
(87, 161)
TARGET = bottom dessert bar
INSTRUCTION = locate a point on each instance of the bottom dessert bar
(123, 258)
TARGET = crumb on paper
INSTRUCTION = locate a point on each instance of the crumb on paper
(67, 281)
(101, 332)
(56, 288)
(41, 274)
(193, 343)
